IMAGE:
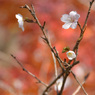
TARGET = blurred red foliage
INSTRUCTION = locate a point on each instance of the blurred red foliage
(34, 54)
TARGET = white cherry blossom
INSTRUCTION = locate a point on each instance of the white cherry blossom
(71, 55)
(20, 21)
(70, 20)
(59, 84)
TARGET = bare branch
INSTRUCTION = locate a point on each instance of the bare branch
(79, 87)
(79, 26)
(44, 25)
(39, 81)
(55, 66)
(52, 83)
(55, 53)
(64, 80)
(83, 28)
(79, 83)
(44, 32)
(87, 15)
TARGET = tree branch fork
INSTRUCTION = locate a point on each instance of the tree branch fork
(65, 66)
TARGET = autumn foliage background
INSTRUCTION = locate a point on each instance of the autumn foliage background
(34, 54)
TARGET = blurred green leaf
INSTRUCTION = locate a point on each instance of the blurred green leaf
(65, 49)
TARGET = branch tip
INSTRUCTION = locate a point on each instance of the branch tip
(86, 76)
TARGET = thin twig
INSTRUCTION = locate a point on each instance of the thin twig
(87, 14)
(79, 87)
(46, 40)
(55, 66)
(79, 83)
(55, 53)
(53, 82)
(43, 31)
(79, 40)
(64, 81)
(83, 28)
(79, 26)
(39, 81)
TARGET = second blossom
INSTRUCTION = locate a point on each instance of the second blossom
(70, 20)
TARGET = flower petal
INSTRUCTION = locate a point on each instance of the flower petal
(77, 16)
(59, 84)
(70, 58)
(74, 25)
(72, 13)
(21, 25)
(20, 21)
(66, 25)
(70, 20)
(65, 18)
(19, 16)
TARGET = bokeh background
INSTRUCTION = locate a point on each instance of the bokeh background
(34, 54)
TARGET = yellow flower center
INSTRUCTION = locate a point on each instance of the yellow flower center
(70, 54)
(72, 20)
